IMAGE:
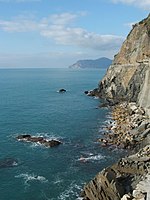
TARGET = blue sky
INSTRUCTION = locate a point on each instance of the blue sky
(57, 33)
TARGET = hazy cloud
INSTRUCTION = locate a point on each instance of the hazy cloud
(61, 28)
(145, 4)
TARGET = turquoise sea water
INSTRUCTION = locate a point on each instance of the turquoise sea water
(30, 104)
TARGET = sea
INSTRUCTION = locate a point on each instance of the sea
(31, 104)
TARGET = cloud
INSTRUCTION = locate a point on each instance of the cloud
(61, 28)
(144, 4)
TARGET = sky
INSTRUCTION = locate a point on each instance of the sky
(57, 33)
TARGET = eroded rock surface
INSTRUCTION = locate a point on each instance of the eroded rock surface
(118, 181)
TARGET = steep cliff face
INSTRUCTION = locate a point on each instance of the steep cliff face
(136, 47)
(128, 78)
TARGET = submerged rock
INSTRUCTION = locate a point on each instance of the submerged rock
(8, 162)
(38, 140)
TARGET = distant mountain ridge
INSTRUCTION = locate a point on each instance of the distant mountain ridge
(98, 63)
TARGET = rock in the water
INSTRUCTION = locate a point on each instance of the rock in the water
(23, 137)
(92, 92)
(62, 90)
(86, 92)
(39, 140)
(8, 162)
(52, 143)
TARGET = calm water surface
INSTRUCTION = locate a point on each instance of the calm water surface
(30, 104)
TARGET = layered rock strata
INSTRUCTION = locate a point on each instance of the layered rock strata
(117, 182)
(129, 130)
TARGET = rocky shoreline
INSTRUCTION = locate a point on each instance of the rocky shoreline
(127, 178)
(128, 128)
(125, 88)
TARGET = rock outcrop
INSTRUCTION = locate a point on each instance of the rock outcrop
(130, 129)
(38, 140)
(128, 78)
(117, 182)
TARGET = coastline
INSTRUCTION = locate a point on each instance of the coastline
(126, 89)
(129, 177)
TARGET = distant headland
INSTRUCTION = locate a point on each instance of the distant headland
(92, 64)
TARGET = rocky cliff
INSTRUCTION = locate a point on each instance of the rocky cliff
(128, 78)
(126, 86)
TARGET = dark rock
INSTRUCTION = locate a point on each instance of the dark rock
(21, 137)
(86, 92)
(39, 140)
(51, 143)
(35, 139)
(62, 90)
